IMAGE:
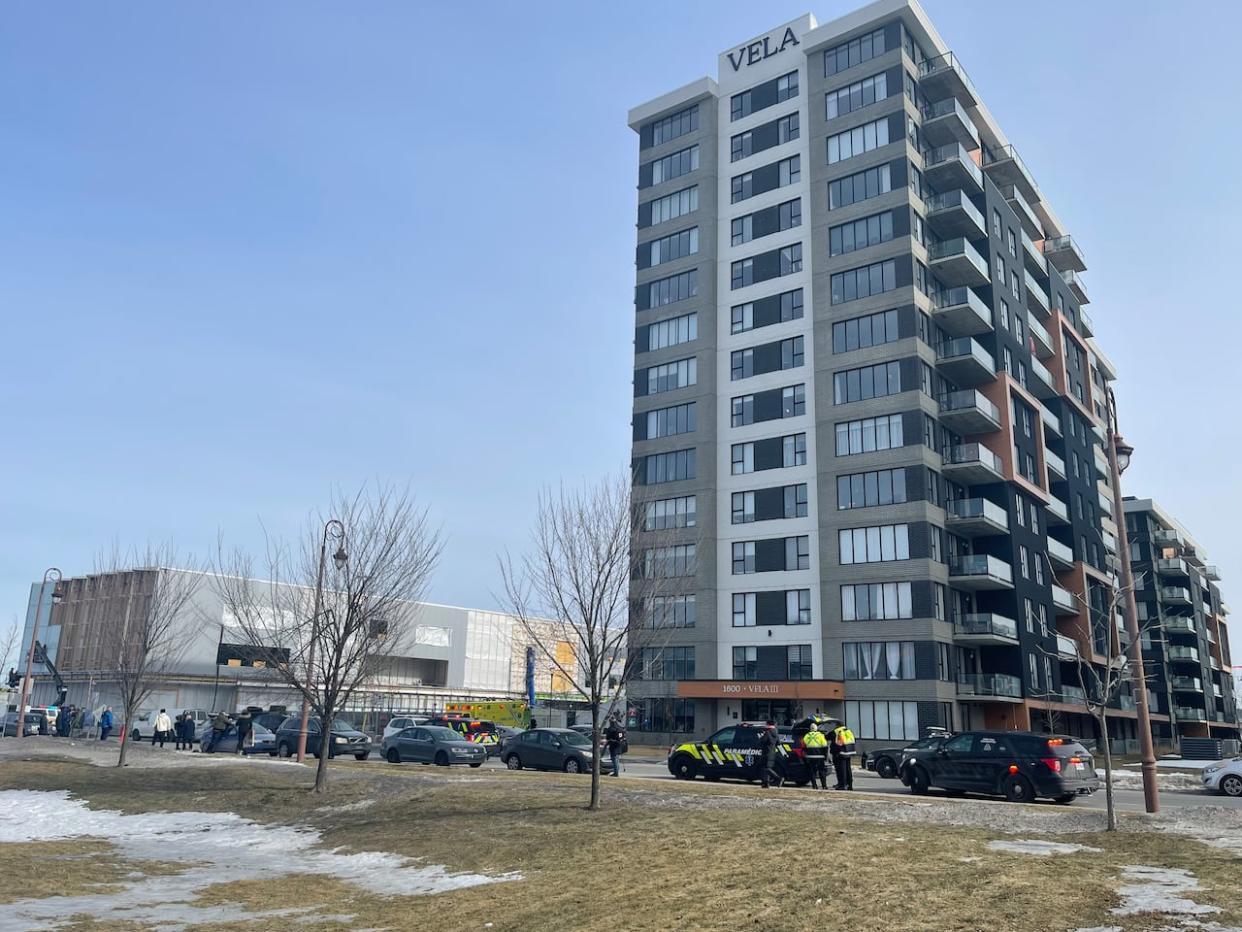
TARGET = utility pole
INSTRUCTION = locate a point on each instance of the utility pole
(57, 590)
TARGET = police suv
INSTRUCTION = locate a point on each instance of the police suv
(734, 753)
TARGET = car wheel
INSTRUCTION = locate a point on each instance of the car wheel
(572, 765)
(362, 756)
(441, 759)
(393, 756)
(137, 736)
(513, 762)
(1018, 789)
(684, 768)
(1065, 799)
(1231, 785)
(919, 781)
(884, 767)
(283, 750)
(802, 781)
(477, 764)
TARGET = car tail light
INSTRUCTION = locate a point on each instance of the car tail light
(1075, 760)
(1052, 763)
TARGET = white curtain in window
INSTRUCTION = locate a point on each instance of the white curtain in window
(893, 651)
(872, 654)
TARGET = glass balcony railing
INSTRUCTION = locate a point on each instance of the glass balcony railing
(1067, 647)
(1179, 594)
(1058, 508)
(1042, 373)
(945, 71)
(1064, 599)
(965, 348)
(981, 508)
(1126, 703)
(1074, 695)
(1041, 335)
(1184, 714)
(1058, 551)
(1055, 463)
(1036, 297)
(957, 157)
(969, 400)
(1189, 654)
(985, 624)
(1187, 684)
(1051, 421)
(1178, 625)
(989, 684)
(965, 454)
(979, 564)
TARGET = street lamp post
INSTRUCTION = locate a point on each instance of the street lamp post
(57, 590)
(1119, 453)
(340, 558)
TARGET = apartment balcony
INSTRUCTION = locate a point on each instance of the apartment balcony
(1101, 464)
(1211, 571)
(1211, 638)
(972, 464)
(1051, 421)
(946, 122)
(1026, 215)
(1064, 253)
(1042, 385)
(969, 412)
(1040, 339)
(1036, 296)
(1168, 537)
(1224, 608)
(1005, 167)
(964, 361)
(944, 76)
(1036, 264)
(1186, 684)
(1074, 282)
(1061, 556)
(1216, 691)
(1176, 624)
(1067, 648)
(953, 214)
(985, 629)
(999, 687)
(1175, 595)
(1110, 541)
(1056, 465)
(1086, 326)
(975, 517)
(961, 312)
(1106, 502)
(1183, 714)
(1175, 568)
(1179, 654)
(1073, 695)
(1058, 511)
(977, 572)
(1063, 601)
(1098, 431)
(952, 166)
(1126, 703)
(956, 262)
(1214, 664)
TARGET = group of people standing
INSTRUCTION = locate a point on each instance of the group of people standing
(817, 747)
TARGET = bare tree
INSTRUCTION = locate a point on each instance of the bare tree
(367, 603)
(1102, 684)
(583, 585)
(9, 642)
(143, 643)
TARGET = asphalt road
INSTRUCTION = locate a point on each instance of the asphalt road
(865, 781)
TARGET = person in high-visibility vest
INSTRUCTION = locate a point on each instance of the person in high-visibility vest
(815, 749)
(842, 750)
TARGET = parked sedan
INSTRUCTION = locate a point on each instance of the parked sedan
(1224, 776)
(432, 744)
(585, 731)
(343, 738)
(263, 742)
(551, 749)
(34, 724)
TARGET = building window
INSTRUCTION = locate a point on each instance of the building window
(869, 435)
(673, 611)
(849, 54)
(859, 187)
(674, 205)
(1013, 244)
(795, 495)
(867, 382)
(864, 282)
(793, 450)
(869, 231)
(1024, 561)
(674, 246)
(675, 165)
(665, 663)
(745, 663)
(671, 376)
(870, 489)
(878, 660)
(789, 171)
(743, 609)
(668, 422)
(857, 95)
(876, 602)
(779, 309)
(996, 223)
(861, 332)
(883, 543)
(888, 721)
(797, 555)
(1014, 288)
(856, 141)
(799, 662)
(743, 510)
(674, 466)
(666, 562)
(671, 127)
(672, 289)
(666, 513)
(798, 607)
(668, 715)
(672, 332)
(743, 557)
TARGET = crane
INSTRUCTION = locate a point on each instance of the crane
(40, 656)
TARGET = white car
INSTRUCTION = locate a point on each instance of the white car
(1224, 776)
(402, 723)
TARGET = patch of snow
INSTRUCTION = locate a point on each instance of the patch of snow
(354, 807)
(1037, 847)
(214, 848)
(1133, 780)
(1102, 929)
(970, 860)
(1156, 890)
(1178, 763)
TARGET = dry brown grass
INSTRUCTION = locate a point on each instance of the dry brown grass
(644, 862)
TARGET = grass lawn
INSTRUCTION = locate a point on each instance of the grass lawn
(660, 856)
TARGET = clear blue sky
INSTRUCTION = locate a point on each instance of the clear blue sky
(249, 252)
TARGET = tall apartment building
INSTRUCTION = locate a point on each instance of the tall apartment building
(867, 401)
(1181, 614)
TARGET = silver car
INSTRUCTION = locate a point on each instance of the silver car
(432, 744)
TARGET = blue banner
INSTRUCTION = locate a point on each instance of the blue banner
(530, 676)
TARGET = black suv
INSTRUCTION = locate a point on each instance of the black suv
(887, 761)
(1019, 765)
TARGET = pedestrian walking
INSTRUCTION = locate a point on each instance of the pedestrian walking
(534, 723)
(815, 750)
(105, 723)
(614, 735)
(842, 751)
(244, 725)
(769, 742)
(163, 725)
